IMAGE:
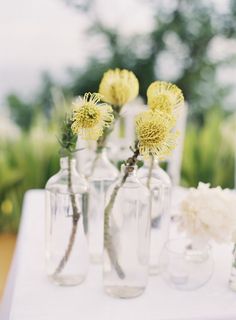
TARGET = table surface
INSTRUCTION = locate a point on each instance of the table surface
(35, 298)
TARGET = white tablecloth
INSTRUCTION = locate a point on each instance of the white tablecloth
(34, 298)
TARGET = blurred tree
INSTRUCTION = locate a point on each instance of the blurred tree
(21, 111)
(25, 113)
(178, 49)
(43, 100)
(183, 33)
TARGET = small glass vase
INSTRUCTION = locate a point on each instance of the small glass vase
(158, 182)
(185, 264)
(126, 236)
(66, 242)
(103, 174)
(232, 278)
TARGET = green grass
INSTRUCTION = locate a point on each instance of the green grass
(24, 164)
(206, 156)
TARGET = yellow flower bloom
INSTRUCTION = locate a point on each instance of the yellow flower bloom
(91, 117)
(119, 86)
(164, 96)
(154, 134)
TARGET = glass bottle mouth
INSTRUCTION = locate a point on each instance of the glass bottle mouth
(181, 246)
(147, 162)
(130, 169)
(101, 150)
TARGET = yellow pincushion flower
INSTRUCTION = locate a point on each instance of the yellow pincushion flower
(119, 86)
(154, 134)
(164, 96)
(91, 117)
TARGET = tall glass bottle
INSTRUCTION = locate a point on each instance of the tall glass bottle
(158, 181)
(126, 236)
(103, 174)
(66, 243)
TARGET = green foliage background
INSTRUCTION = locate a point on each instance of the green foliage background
(24, 164)
(185, 31)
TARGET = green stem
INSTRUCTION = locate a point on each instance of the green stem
(75, 219)
(234, 256)
(102, 141)
(108, 242)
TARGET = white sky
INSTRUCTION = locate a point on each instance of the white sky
(35, 36)
(48, 35)
(38, 35)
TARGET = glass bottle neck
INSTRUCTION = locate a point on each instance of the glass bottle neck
(149, 162)
(102, 168)
(102, 157)
(102, 152)
(130, 171)
(67, 163)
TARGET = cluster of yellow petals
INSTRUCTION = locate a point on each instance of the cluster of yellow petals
(119, 87)
(164, 96)
(154, 128)
(91, 117)
(155, 138)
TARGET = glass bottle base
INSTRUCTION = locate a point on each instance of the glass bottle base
(124, 292)
(66, 280)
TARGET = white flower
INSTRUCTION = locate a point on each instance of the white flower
(209, 213)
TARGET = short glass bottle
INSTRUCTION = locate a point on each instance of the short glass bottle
(186, 264)
(126, 236)
(66, 242)
(103, 174)
(232, 278)
(158, 181)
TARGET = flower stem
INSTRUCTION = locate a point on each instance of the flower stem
(75, 219)
(102, 141)
(108, 243)
(234, 256)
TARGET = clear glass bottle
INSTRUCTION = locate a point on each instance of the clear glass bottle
(103, 174)
(158, 181)
(232, 278)
(126, 236)
(66, 242)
